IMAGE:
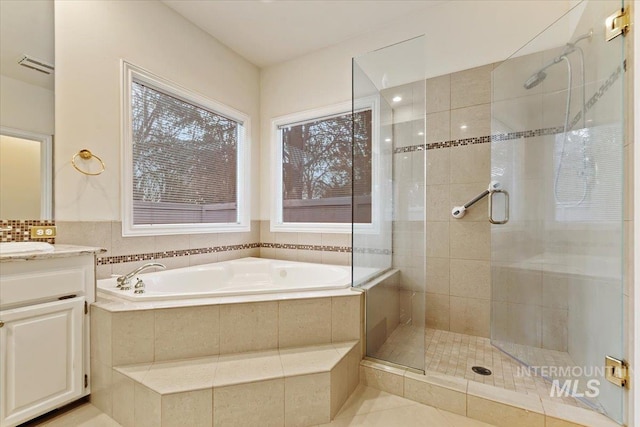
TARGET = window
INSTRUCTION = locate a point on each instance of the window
(184, 160)
(314, 162)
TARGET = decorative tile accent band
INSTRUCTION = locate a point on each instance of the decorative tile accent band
(480, 140)
(117, 259)
(372, 251)
(347, 249)
(19, 231)
(521, 134)
(306, 247)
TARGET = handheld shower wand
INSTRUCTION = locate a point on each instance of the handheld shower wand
(538, 77)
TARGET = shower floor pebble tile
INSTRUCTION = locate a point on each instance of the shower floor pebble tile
(455, 354)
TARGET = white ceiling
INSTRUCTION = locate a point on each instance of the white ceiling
(268, 32)
(26, 27)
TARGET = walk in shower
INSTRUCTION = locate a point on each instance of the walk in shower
(526, 284)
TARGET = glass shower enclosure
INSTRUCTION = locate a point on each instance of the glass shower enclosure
(557, 149)
(557, 229)
(389, 251)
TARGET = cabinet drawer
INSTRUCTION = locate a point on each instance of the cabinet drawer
(38, 281)
(40, 286)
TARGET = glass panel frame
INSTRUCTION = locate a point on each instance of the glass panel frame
(389, 263)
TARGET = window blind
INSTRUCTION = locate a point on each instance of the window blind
(184, 161)
(587, 183)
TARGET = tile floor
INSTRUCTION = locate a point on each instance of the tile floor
(366, 407)
(454, 354)
(374, 408)
(79, 414)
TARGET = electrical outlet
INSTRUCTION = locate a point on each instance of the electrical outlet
(43, 231)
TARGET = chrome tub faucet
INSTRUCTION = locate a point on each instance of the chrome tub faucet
(124, 282)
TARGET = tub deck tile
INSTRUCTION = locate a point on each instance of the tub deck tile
(294, 386)
(309, 360)
(179, 376)
(234, 369)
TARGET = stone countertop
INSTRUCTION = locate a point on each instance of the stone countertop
(59, 251)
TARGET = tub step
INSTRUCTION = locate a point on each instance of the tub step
(295, 386)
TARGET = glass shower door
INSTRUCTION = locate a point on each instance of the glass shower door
(557, 149)
(389, 249)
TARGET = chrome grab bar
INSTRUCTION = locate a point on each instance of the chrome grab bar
(506, 207)
(459, 211)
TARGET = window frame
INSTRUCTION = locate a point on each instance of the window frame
(277, 224)
(131, 73)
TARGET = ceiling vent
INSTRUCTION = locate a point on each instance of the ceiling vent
(36, 64)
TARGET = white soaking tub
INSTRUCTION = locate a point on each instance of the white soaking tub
(245, 276)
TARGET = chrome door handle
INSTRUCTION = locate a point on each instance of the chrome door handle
(506, 207)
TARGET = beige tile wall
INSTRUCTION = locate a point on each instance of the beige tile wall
(383, 311)
(458, 250)
(305, 255)
(171, 334)
(108, 235)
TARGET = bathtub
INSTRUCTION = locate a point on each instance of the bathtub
(245, 276)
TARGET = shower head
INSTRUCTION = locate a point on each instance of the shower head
(535, 80)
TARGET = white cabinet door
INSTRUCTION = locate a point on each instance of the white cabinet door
(41, 363)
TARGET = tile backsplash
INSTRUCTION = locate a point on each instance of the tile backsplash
(458, 167)
(17, 230)
(321, 248)
(123, 254)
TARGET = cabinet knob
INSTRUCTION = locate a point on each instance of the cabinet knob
(1, 323)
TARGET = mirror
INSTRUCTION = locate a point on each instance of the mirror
(26, 109)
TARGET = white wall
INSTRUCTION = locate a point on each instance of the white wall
(460, 35)
(25, 106)
(90, 39)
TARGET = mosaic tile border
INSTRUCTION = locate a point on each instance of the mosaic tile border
(372, 251)
(521, 134)
(294, 246)
(480, 140)
(20, 229)
(118, 259)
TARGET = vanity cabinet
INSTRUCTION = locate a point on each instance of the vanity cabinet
(41, 358)
(44, 334)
